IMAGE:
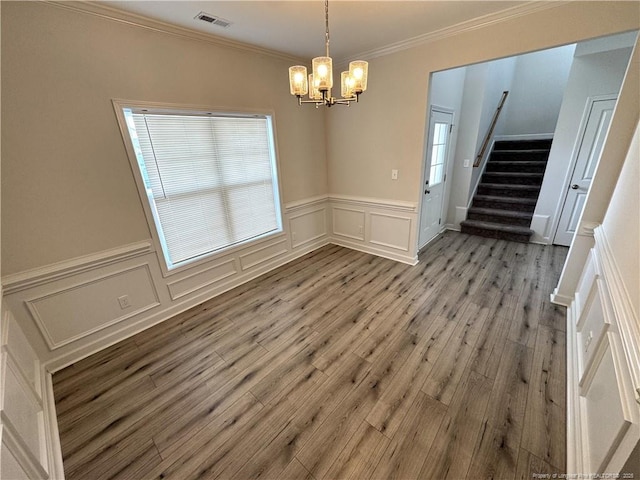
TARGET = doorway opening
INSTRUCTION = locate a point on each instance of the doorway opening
(550, 93)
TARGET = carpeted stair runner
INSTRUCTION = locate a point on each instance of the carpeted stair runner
(508, 191)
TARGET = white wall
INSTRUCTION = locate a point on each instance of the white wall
(590, 75)
(621, 224)
(539, 80)
(483, 87)
(498, 80)
(471, 109)
(535, 82)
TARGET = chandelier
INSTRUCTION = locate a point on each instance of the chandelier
(319, 83)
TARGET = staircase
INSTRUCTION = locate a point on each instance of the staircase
(508, 191)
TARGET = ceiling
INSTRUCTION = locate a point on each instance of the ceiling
(297, 27)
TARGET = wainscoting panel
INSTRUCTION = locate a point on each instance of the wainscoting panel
(604, 409)
(20, 349)
(390, 231)
(22, 409)
(380, 227)
(307, 227)
(603, 375)
(201, 279)
(80, 309)
(30, 446)
(72, 309)
(263, 254)
(349, 223)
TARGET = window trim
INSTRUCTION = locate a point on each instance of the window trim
(156, 107)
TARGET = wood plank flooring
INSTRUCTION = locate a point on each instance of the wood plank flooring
(339, 365)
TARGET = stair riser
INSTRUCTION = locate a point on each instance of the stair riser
(520, 222)
(522, 145)
(508, 192)
(513, 237)
(489, 177)
(515, 167)
(518, 156)
(518, 207)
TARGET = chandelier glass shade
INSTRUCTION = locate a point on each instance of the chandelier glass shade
(319, 83)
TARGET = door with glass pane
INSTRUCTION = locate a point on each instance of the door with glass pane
(434, 178)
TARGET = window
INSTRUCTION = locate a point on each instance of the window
(210, 179)
(438, 153)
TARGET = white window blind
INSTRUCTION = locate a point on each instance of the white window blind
(211, 180)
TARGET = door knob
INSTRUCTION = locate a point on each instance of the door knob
(574, 186)
(427, 191)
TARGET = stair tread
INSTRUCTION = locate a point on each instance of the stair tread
(523, 150)
(516, 174)
(494, 198)
(500, 212)
(509, 186)
(497, 226)
(517, 162)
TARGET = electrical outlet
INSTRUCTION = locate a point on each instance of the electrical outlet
(466, 163)
(588, 341)
(394, 174)
(124, 301)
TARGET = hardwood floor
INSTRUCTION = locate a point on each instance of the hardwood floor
(339, 365)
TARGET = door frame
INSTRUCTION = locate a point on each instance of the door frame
(574, 158)
(426, 153)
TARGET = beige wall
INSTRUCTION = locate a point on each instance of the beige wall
(386, 130)
(67, 187)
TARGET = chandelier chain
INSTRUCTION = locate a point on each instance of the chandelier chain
(326, 23)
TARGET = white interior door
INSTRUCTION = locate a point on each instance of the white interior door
(598, 116)
(440, 125)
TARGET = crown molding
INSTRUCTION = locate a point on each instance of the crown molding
(467, 26)
(108, 13)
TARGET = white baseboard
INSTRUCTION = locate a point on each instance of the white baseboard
(560, 299)
(374, 251)
(460, 216)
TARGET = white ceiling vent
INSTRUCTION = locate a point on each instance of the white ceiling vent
(212, 19)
